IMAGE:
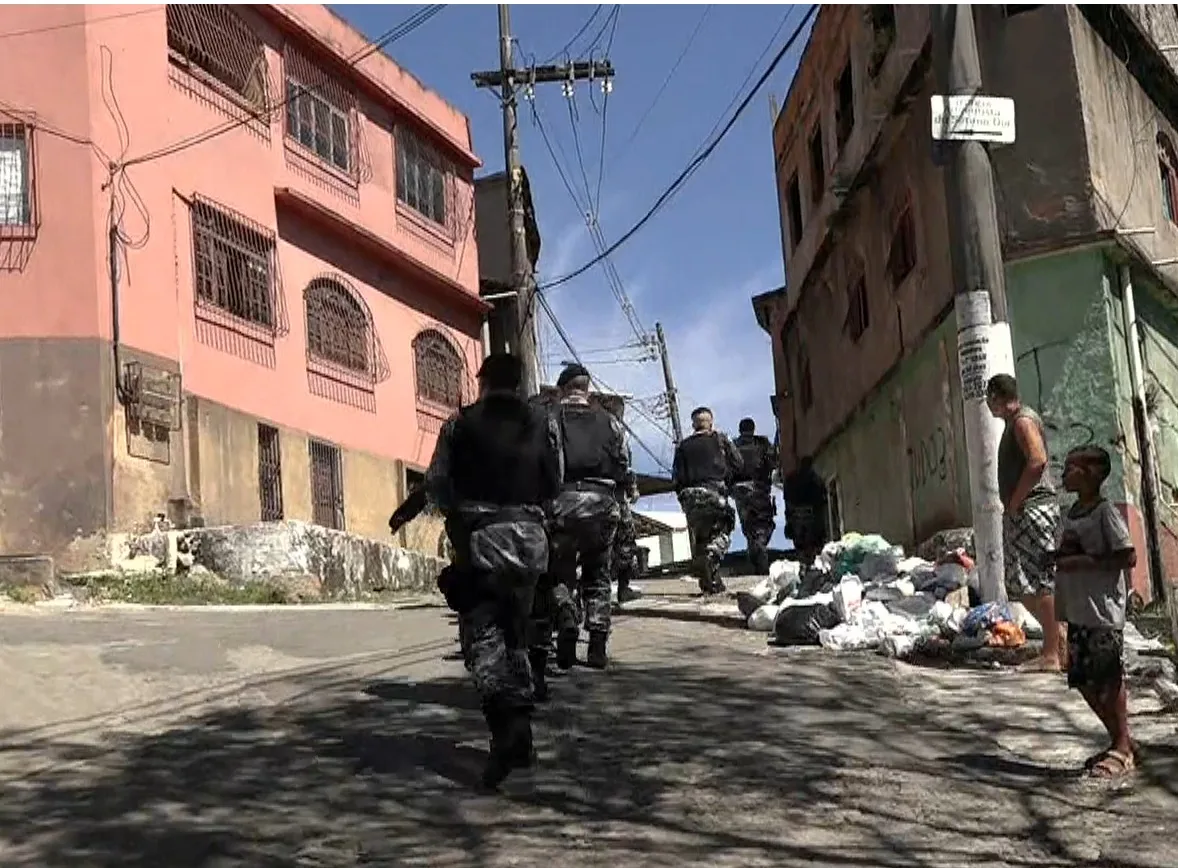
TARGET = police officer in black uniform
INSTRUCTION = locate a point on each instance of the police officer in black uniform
(704, 466)
(752, 489)
(495, 468)
(585, 517)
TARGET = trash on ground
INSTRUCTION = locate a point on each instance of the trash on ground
(863, 593)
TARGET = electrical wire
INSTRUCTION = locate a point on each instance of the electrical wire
(33, 31)
(606, 87)
(678, 183)
(569, 45)
(666, 81)
(564, 337)
(396, 32)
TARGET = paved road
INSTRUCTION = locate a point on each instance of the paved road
(176, 739)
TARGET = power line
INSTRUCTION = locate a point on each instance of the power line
(607, 86)
(33, 31)
(693, 165)
(667, 81)
(396, 32)
(564, 337)
(568, 46)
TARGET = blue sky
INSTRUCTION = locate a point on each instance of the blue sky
(695, 266)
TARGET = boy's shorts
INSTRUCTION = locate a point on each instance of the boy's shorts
(1095, 656)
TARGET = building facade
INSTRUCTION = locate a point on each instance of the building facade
(864, 336)
(238, 277)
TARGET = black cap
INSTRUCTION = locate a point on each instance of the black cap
(570, 373)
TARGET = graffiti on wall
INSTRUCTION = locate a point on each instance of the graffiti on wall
(929, 459)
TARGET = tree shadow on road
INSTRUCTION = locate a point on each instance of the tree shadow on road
(713, 761)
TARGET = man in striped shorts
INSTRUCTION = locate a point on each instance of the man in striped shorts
(1031, 519)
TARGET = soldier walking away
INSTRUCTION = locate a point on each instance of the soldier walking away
(704, 466)
(585, 517)
(1031, 516)
(494, 470)
(414, 505)
(625, 555)
(752, 489)
(806, 511)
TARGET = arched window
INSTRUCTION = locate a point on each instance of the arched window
(337, 326)
(439, 369)
(1168, 170)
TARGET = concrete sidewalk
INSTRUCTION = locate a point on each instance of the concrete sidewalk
(342, 737)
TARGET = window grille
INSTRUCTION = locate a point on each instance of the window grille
(439, 369)
(338, 328)
(216, 40)
(327, 493)
(320, 112)
(270, 473)
(844, 116)
(858, 317)
(1168, 171)
(422, 178)
(16, 178)
(235, 266)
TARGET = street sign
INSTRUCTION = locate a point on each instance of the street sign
(973, 119)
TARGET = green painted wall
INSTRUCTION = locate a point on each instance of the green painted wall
(901, 465)
(1064, 360)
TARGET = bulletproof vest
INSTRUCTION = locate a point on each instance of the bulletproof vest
(500, 453)
(587, 435)
(754, 451)
(703, 459)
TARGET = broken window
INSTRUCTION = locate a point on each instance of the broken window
(817, 164)
(214, 39)
(421, 177)
(16, 176)
(234, 264)
(844, 115)
(793, 203)
(438, 368)
(327, 492)
(1168, 169)
(270, 473)
(883, 32)
(902, 253)
(858, 316)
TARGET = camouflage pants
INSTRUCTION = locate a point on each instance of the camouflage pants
(497, 630)
(589, 542)
(710, 520)
(756, 509)
(625, 554)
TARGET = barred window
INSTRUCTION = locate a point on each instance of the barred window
(421, 177)
(234, 265)
(318, 125)
(337, 326)
(439, 369)
(16, 176)
(216, 40)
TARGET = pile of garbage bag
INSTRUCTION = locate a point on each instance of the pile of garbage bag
(863, 593)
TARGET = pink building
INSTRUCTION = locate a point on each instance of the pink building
(238, 276)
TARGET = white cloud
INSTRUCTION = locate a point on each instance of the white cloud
(720, 357)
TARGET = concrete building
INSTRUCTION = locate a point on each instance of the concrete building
(494, 242)
(864, 337)
(663, 533)
(288, 304)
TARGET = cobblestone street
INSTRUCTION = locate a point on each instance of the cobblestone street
(339, 737)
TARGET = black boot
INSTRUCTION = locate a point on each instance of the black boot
(597, 657)
(511, 746)
(539, 663)
(760, 559)
(566, 648)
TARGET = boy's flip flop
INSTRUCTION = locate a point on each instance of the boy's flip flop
(1112, 766)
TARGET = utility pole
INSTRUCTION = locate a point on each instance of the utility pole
(672, 394)
(983, 334)
(522, 337)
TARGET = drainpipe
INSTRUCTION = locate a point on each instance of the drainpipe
(1149, 474)
(115, 331)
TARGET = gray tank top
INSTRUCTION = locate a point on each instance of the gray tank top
(1012, 462)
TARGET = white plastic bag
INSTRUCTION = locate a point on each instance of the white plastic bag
(846, 637)
(764, 618)
(848, 597)
(1031, 627)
